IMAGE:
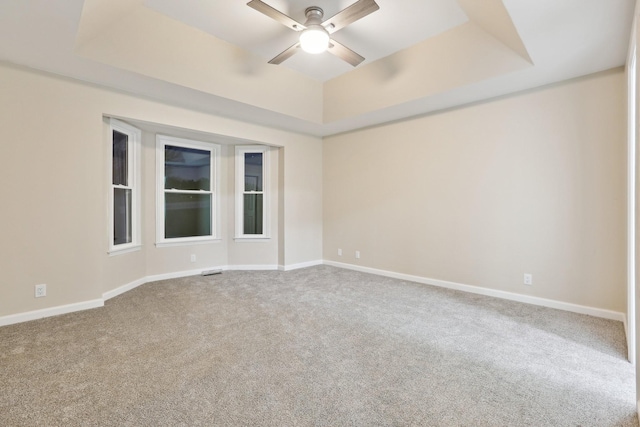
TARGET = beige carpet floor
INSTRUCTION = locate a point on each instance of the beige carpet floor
(320, 346)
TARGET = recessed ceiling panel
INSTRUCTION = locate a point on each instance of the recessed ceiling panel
(211, 55)
(398, 24)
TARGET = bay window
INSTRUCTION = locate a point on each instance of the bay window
(124, 196)
(252, 192)
(187, 190)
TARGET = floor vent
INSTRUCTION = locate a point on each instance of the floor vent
(211, 272)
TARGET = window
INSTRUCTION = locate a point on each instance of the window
(124, 196)
(187, 190)
(252, 186)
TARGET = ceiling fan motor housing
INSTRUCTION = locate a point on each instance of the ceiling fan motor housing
(314, 15)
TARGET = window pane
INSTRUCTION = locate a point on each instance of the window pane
(253, 172)
(187, 215)
(253, 214)
(120, 158)
(121, 216)
(186, 168)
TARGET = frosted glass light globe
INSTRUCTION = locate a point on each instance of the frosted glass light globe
(315, 39)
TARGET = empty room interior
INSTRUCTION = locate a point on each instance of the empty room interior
(428, 220)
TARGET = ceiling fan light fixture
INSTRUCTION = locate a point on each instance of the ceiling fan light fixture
(315, 39)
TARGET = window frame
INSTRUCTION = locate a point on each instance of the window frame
(134, 137)
(240, 151)
(214, 190)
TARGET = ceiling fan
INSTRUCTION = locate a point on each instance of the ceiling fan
(315, 34)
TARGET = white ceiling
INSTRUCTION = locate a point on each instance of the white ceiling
(374, 36)
(562, 39)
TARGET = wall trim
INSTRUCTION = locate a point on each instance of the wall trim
(624, 323)
(178, 274)
(153, 278)
(95, 303)
(300, 265)
(85, 305)
(49, 312)
(122, 289)
(543, 302)
(265, 267)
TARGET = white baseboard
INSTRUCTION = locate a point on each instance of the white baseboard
(178, 274)
(153, 278)
(48, 312)
(69, 308)
(267, 267)
(575, 308)
(631, 348)
(122, 289)
(300, 265)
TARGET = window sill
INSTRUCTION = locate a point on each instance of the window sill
(126, 250)
(167, 244)
(252, 239)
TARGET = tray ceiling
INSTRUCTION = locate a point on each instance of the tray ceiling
(421, 55)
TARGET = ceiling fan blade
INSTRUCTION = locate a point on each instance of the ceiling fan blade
(344, 53)
(286, 54)
(351, 14)
(264, 8)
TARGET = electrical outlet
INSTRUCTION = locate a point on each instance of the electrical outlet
(357, 254)
(339, 252)
(41, 291)
(528, 279)
(193, 258)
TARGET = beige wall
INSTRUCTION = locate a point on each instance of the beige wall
(531, 183)
(54, 192)
(478, 195)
